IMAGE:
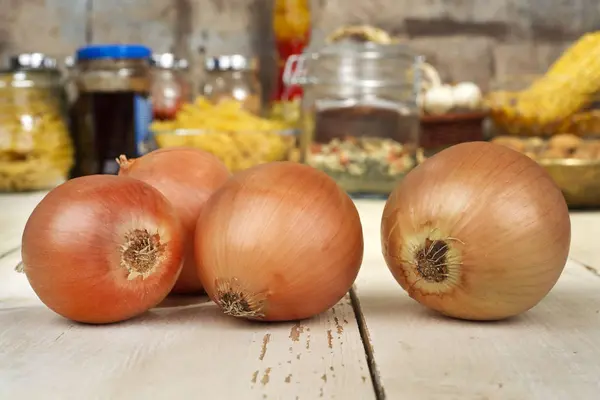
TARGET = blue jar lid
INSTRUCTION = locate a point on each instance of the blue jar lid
(115, 51)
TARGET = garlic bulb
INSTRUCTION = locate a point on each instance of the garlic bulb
(438, 100)
(466, 95)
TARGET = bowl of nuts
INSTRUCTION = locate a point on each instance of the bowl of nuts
(572, 161)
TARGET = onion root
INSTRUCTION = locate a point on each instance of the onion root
(142, 253)
(236, 301)
(187, 177)
(476, 232)
(431, 262)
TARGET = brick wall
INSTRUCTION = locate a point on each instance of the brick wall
(480, 40)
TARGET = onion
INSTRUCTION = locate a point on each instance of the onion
(187, 177)
(102, 248)
(279, 241)
(478, 231)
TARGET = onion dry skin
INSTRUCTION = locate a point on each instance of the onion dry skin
(278, 242)
(102, 248)
(477, 232)
(187, 177)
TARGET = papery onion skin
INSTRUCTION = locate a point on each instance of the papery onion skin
(187, 177)
(279, 242)
(102, 249)
(498, 217)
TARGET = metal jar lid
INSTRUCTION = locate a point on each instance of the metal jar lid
(231, 62)
(32, 61)
(168, 61)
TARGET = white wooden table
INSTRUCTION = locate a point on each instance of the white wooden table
(376, 343)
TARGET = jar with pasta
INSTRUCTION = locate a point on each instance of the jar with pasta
(233, 77)
(239, 138)
(36, 151)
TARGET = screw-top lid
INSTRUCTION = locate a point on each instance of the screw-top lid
(168, 61)
(32, 61)
(114, 51)
(233, 62)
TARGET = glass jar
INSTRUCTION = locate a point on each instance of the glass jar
(112, 112)
(170, 86)
(292, 28)
(233, 77)
(36, 151)
(359, 114)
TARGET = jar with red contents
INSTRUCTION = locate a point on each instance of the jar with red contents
(170, 85)
(292, 31)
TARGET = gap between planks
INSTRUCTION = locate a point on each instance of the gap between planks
(366, 340)
(589, 268)
(9, 252)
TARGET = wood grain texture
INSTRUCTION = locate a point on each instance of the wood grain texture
(55, 27)
(14, 211)
(148, 22)
(584, 241)
(524, 58)
(474, 63)
(243, 26)
(229, 26)
(550, 352)
(185, 348)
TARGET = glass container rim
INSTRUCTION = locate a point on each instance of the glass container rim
(53, 78)
(230, 63)
(299, 76)
(168, 61)
(202, 131)
(567, 162)
(367, 49)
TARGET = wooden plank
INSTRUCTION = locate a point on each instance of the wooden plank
(585, 228)
(186, 348)
(147, 22)
(230, 26)
(220, 27)
(550, 352)
(184, 27)
(55, 27)
(14, 211)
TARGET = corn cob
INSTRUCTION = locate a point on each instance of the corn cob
(568, 86)
(577, 52)
(544, 108)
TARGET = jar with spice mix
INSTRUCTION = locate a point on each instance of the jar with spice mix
(359, 114)
(36, 151)
(170, 85)
(112, 112)
(233, 77)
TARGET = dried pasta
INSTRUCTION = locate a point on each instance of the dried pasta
(239, 138)
(36, 151)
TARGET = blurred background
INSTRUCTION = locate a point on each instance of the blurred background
(363, 90)
(478, 40)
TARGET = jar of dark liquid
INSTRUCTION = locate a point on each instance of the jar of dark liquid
(111, 113)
